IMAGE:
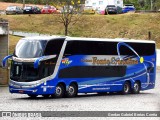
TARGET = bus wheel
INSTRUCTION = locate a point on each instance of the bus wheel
(126, 88)
(72, 90)
(32, 96)
(46, 96)
(102, 93)
(136, 88)
(59, 92)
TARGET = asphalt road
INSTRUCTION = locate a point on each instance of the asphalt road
(145, 101)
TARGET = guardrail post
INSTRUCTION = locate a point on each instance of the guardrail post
(149, 35)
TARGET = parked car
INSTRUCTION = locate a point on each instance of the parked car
(67, 9)
(14, 10)
(88, 10)
(111, 9)
(37, 10)
(48, 9)
(31, 10)
(128, 8)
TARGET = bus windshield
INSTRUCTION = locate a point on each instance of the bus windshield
(30, 48)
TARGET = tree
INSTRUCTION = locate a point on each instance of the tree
(142, 3)
(156, 4)
(70, 12)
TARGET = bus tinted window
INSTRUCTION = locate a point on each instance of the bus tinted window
(143, 49)
(90, 48)
(107, 48)
(53, 47)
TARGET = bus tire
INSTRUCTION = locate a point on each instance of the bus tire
(72, 90)
(32, 96)
(102, 93)
(46, 96)
(59, 91)
(126, 88)
(136, 88)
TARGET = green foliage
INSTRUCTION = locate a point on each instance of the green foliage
(144, 4)
(133, 26)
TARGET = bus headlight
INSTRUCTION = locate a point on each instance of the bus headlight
(34, 91)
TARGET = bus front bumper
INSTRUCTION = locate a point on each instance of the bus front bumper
(38, 89)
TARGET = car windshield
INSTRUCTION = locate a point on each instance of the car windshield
(11, 8)
(30, 48)
(46, 7)
(128, 5)
(111, 6)
(35, 7)
(28, 7)
(88, 8)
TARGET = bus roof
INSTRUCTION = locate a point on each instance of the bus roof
(107, 39)
(43, 37)
(87, 39)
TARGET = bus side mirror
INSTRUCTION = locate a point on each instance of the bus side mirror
(37, 61)
(4, 61)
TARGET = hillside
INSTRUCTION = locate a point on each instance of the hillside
(133, 26)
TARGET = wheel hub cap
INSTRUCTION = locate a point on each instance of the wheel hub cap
(58, 90)
(71, 90)
(126, 88)
(136, 87)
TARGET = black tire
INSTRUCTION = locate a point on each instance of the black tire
(72, 90)
(136, 88)
(126, 88)
(106, 13)
(59, 91)
(32, 96)
(102, 93)
(46, 96)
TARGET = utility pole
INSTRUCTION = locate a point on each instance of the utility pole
(23, 3)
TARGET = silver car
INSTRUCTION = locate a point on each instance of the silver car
(14, 10)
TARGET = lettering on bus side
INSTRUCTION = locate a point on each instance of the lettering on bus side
(113, 61)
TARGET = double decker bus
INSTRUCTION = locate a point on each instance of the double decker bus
(66, 66)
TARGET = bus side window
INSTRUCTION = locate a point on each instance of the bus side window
(90, 48)
(53, 47)
(69, 49)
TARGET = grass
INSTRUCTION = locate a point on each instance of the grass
(133, 26)
(12, 43)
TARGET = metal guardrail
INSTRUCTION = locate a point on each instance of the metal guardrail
(27, 34)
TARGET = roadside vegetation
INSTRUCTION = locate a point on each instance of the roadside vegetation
(135, 26)
(139, 4)
(12, 43)
(132, 26)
